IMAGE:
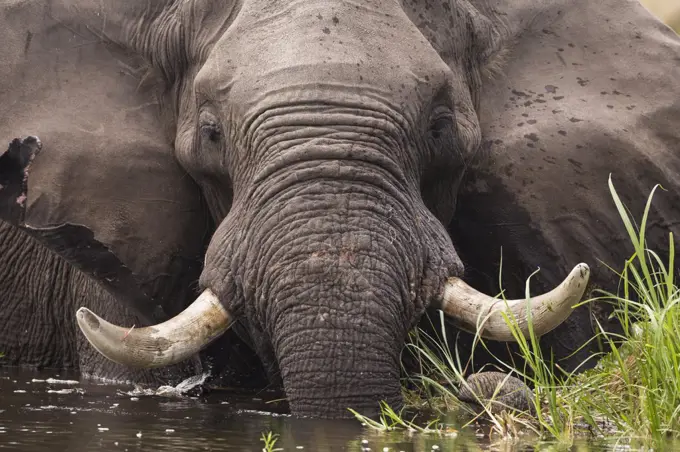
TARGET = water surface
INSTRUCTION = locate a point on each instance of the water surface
(52, 411)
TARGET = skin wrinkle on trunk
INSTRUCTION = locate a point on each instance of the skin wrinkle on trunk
(331, 386)
(278, 126)
(317, 245)
(353, 339)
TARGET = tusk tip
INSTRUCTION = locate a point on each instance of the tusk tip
(87, 320)
(581, 271)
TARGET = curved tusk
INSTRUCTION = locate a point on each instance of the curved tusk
(160, 345)
(473, 310)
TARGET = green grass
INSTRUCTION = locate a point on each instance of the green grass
(269, 439)
(632, 393)
(391, 420)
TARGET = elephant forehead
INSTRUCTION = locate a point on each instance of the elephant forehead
(355, 47)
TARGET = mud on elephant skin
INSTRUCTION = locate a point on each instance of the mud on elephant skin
(310, 155)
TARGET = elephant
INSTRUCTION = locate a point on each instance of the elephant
(313, 178)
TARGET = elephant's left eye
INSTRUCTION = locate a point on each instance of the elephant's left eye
(441, 126)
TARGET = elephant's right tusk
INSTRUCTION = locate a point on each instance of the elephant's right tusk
(466, 306)
(160, 345)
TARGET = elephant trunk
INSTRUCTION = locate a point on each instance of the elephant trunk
(330, 258)
(346, 364)
(339, 306)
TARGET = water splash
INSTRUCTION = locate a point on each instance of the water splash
(180, 390)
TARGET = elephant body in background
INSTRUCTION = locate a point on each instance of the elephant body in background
(40, 291)
(318, 170)
(601, 98)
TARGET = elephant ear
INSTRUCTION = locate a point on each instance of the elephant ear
(590, 88)
(105, 192)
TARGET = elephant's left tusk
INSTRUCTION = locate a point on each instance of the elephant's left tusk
(160, 345)
(472, 309)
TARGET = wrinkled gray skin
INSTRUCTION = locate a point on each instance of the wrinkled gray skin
(328, 141)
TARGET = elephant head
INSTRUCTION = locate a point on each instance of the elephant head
(328, 140)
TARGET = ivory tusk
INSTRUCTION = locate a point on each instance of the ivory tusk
(472, 309)
(160, 345)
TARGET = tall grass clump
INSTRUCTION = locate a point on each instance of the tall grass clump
(634, 390)
(637, 385)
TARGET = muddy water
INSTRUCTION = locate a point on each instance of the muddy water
(50, 411)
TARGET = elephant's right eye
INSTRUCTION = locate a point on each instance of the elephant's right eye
(210, 128)
(211, 131)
